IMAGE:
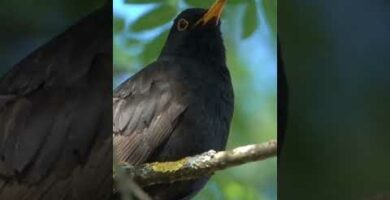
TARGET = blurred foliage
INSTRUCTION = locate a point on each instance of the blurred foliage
(249, 28)
(163, 13)
(337, 63)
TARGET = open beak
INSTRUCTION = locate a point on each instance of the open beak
(213, 13)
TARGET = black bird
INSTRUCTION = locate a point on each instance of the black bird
(55, 117)
(179, 105)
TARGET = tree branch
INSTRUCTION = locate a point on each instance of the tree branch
(200, 165)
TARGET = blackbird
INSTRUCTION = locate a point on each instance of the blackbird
(181, 104)
(56, 119)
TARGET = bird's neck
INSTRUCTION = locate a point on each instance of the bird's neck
(203, 53)
(202, 58)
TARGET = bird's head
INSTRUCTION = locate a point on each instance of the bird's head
(196, 34)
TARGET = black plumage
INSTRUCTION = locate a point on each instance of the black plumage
(179, 105)
(55, 117)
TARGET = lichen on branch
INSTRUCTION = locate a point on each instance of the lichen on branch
(200, 165)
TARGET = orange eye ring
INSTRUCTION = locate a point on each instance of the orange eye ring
(182, 25)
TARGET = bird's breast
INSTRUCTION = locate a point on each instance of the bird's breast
(204, 125)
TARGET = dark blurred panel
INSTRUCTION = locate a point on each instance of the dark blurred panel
(336, 55)
(56, 100)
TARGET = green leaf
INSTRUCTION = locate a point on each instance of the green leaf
(119, 24)
(208, 3)
(154, 18)
(131, 43)
(142, 1)
(200, 3)
(270, 9)
(251, 20)
(121, 60)
(235, 2)
(154, 47)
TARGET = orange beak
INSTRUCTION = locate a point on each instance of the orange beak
(214, 12)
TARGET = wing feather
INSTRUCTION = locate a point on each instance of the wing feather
(146, 110)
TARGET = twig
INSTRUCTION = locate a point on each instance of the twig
(200, 165)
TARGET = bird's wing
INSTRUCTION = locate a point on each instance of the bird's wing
(50, 125)
(147, 109)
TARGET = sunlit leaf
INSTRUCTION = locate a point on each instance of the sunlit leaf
(131, 42)
(200, 3)
(122, 60)
(154, 18)
(250, 20)
(119, 24)
(153, 48)
(142, 1)
(233, 2)
(270, 8)
(208, 3)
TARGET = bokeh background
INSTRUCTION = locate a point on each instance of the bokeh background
(336, 55)
(249, 30)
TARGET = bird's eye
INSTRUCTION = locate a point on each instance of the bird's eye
(182, 24)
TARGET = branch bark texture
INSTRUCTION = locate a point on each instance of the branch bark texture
(200, 165)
